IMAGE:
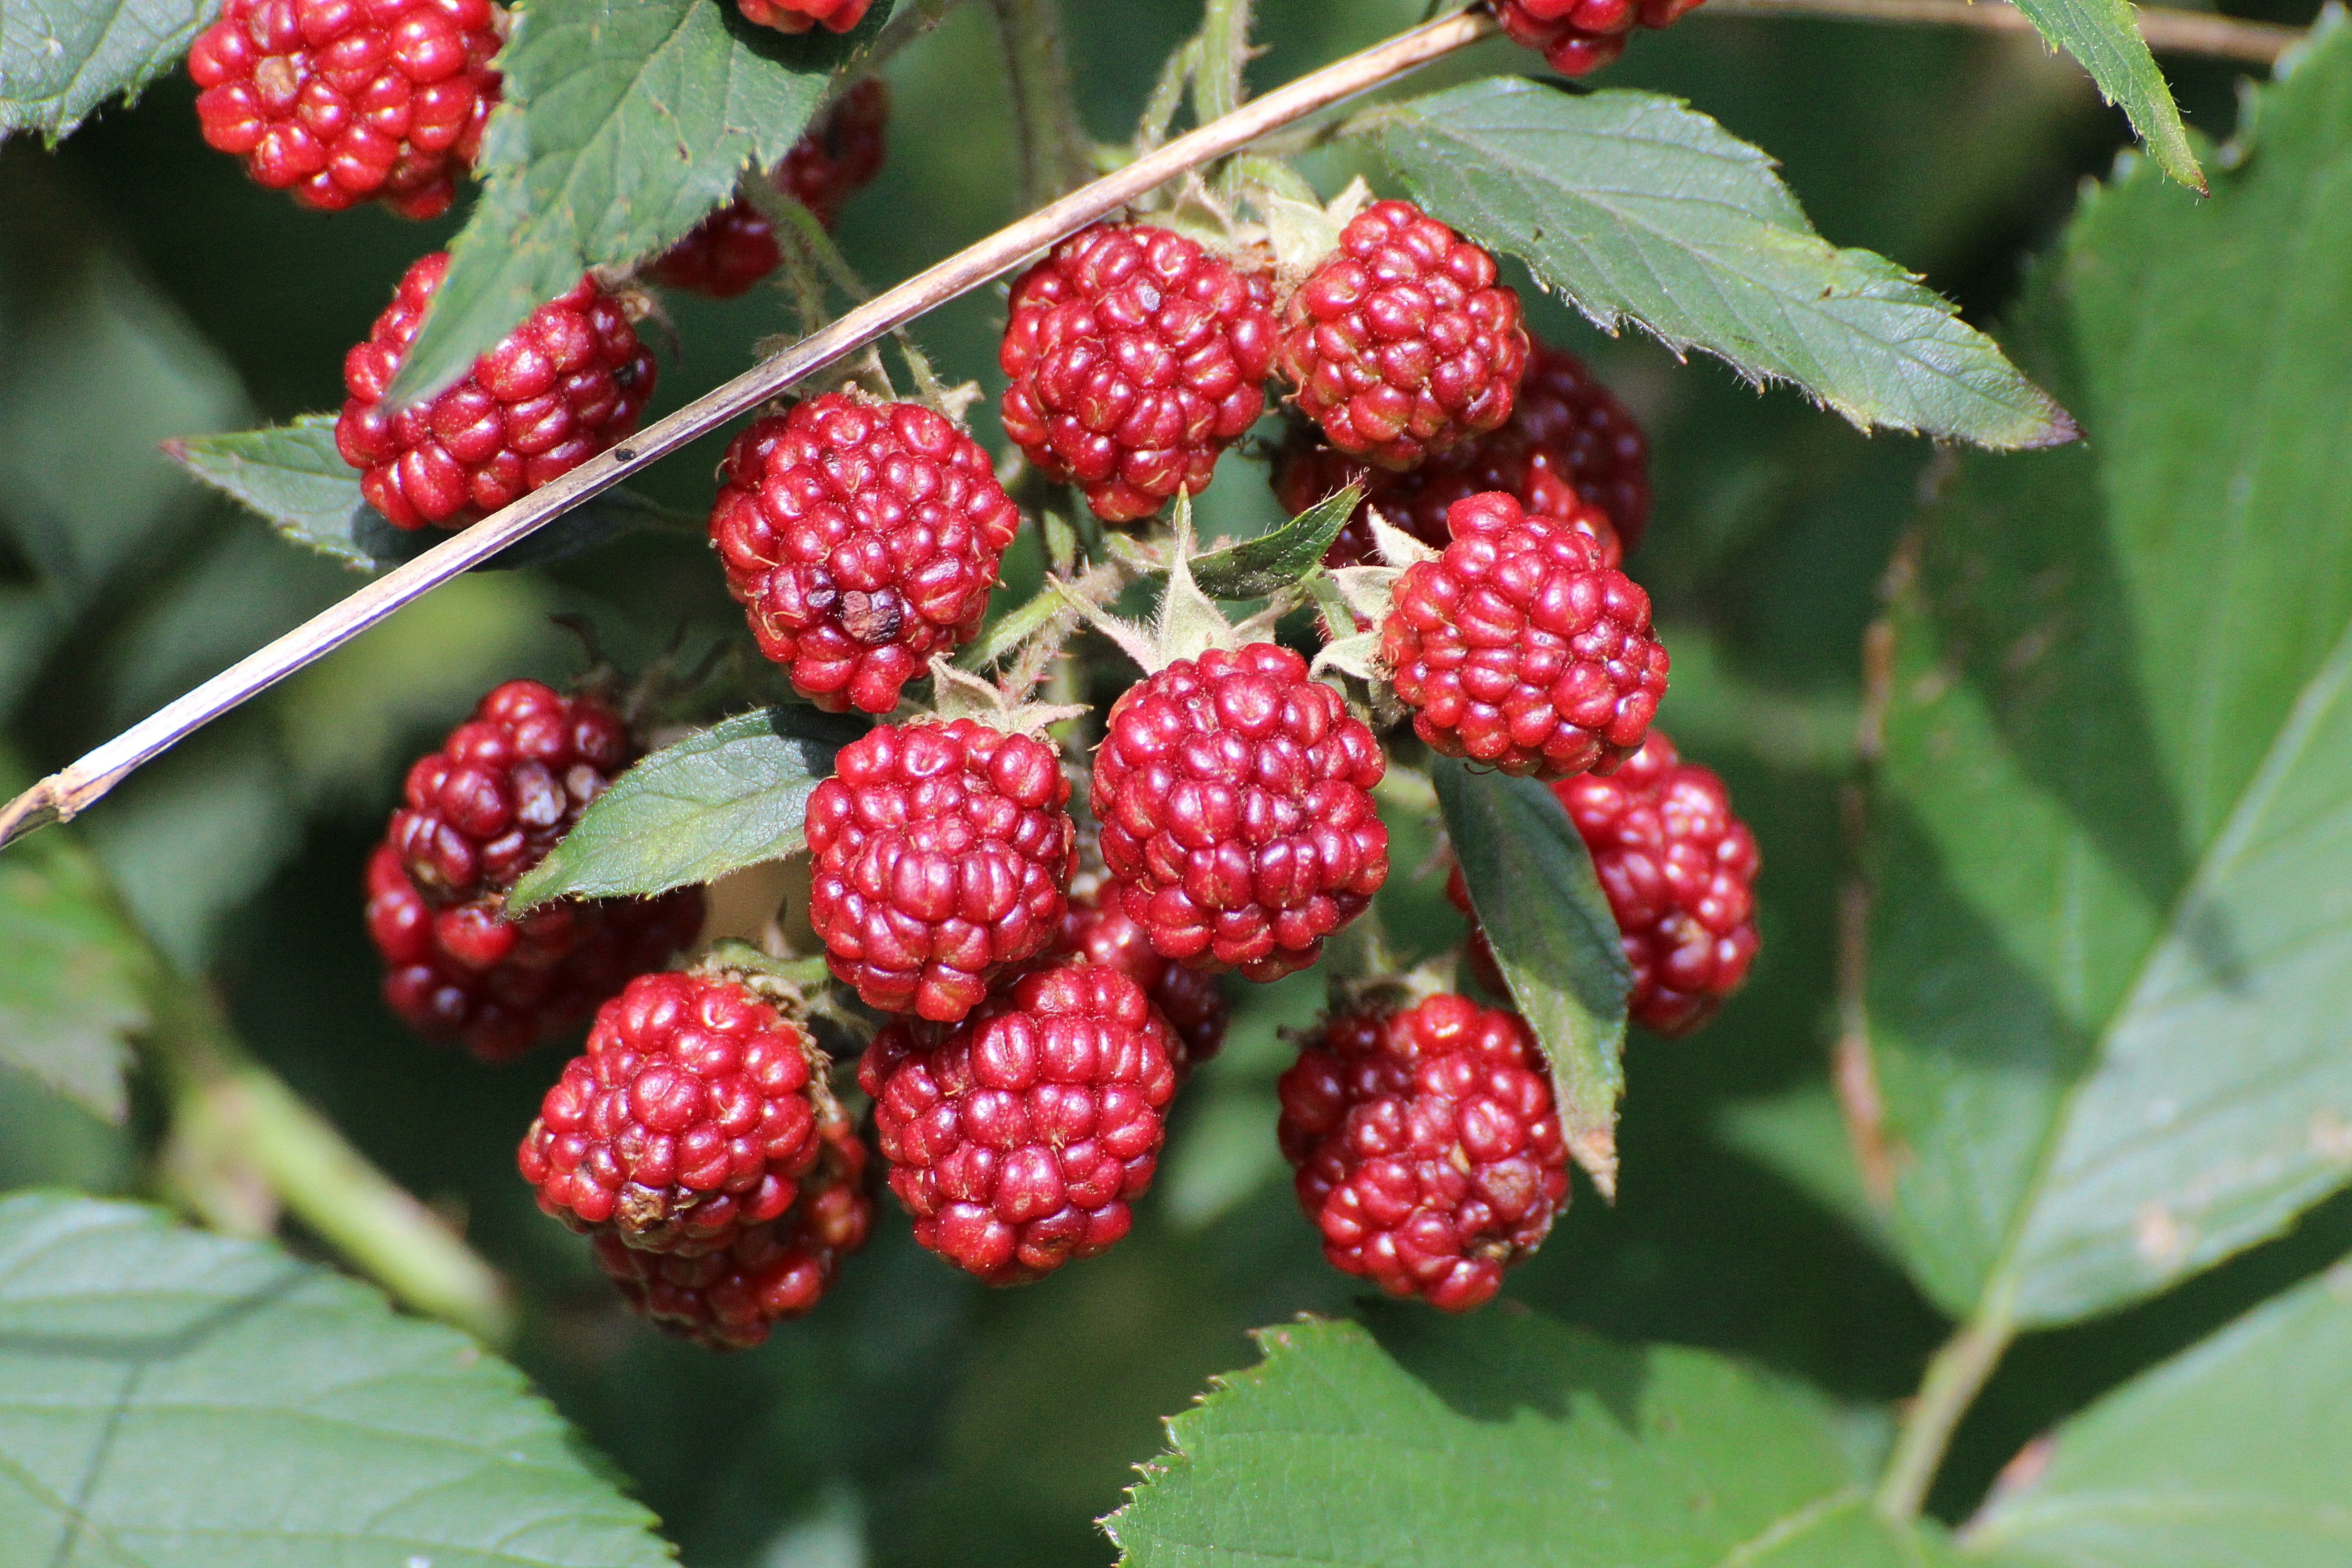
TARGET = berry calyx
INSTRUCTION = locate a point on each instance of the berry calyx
(1580, 36)
(1402, 343)
(1518, 649)
(559, 389)
(940, 856)
(1569, 448)
(1017, 1138)
(735, 247)
(802, 15)
(344, 101)
(1427, 1147)
(690, 1116)
(1135, 358)
(1238, 826)
(730, 1298)
(500, 987)
(862, 538)
(1097, 929)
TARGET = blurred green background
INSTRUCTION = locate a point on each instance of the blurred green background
(147, 292)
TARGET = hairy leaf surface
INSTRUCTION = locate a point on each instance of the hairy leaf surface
(60, 60)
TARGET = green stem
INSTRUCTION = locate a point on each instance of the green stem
(1225, 53)
(1056, 153)
(1955, 1377)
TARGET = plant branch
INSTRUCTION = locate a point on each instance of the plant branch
(1955, 1377)
(1224, 54)
(75, 788)
(1056, 154)
(2167, 30)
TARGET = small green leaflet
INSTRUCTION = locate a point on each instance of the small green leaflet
(61, 59)
(169, 1396)
(292, 475)
(1532, 883)
(626, 121)
(2103, 36)
(732, 796)
(1272, 561)
(1637, 206)
(72, 972)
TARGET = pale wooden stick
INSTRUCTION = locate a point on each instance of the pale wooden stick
(2167, 30)
(63, 794)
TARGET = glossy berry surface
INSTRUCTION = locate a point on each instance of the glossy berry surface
(505, 786)
(1097, 929)
(1517, 649)
(1017, 1138)
(1402, 343)
(1235, 795)
(1427, 1147)
(735, 247)
(804, 15)
(1134, 358)
(559, 389)
(1569, 451)
(1580, 36)
(499, 987)
(730, 1298)
(342, 102)
(861, 538)
(940, 857)
(691, 1116)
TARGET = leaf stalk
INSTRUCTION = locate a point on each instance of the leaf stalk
(1956, 1376)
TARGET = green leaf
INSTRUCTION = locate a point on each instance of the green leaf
(61, 59)
(2111, 953)
(170, 1397)
(626, 121)
(1510, 1441)
(2234, 1452)
(2104, 36)
(732, 796)
(292, 476)
(1532, 884)
(1255, 568)
(1637, 206)
(71, 974)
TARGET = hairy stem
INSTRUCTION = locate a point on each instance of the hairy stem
(1056, 154)
(1955, 1377)
(1224, 54)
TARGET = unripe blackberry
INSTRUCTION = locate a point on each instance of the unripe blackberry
(1134, 358)
(1098, 931)
(1238, 826)
(1568, 446)
(499, 988)
(861, 538)
(728, 1298)
(940, 853)
(504, 788)
(343, 100)
(802, 16)
(1580, 36)
(1517, 648)
(1017, 1138)
(735, 247)
(1402, 343)
(556, 391)
(1427, 1147)
(690, 1118)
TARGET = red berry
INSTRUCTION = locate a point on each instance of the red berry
(728, 1298)
(1235, 795)
(1016, 1138)
(1581, 35)
(340, 100)
(802, 16)
(691, 1117)
(862, 538)
(1402, 343)
(1568, 447)
(735, 247)
(559, 389)
(505, 787)
(1135, 359)
(940, 856)
(1098, 931)
(1518, 649)
(499, 988)
(1427, 1147)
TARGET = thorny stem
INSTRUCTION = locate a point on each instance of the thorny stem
(1955, 1377)
(1224, 54)
(1167, 97)
(1056, 154)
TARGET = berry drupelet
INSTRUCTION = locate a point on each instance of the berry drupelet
(1097, 929)
(559, 389)
(804, 15)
